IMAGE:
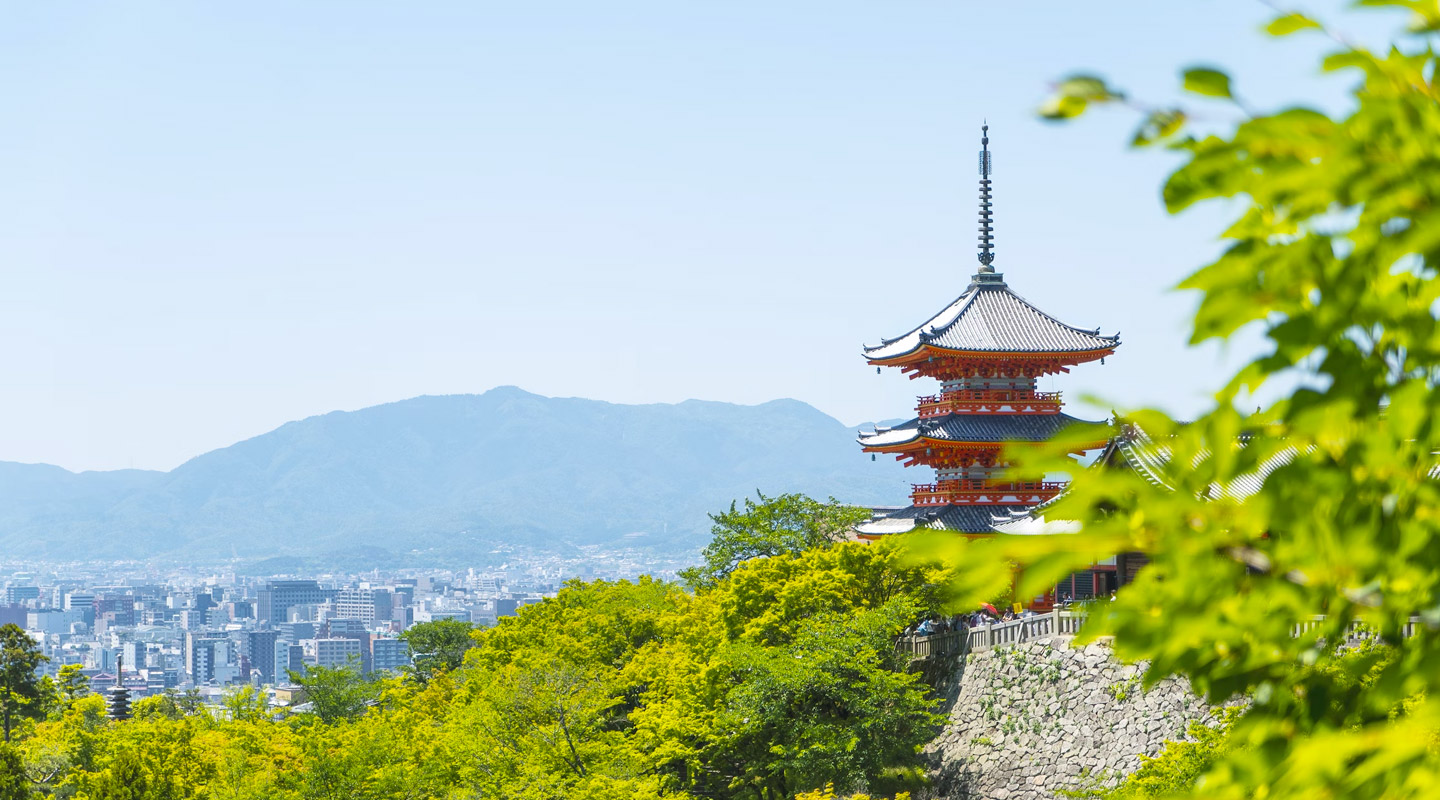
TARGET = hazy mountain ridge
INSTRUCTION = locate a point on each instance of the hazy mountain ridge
(448, 476)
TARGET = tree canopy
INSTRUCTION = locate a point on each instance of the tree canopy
(771, 526)
(1332, 255)
(21, 691)
(437, 646)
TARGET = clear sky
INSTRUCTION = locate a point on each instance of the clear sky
(219, 217)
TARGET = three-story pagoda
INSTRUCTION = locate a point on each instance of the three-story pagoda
(987, 349)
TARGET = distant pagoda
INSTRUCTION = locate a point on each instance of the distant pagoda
(119, 701)
(987, 349)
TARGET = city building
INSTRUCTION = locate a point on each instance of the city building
(14, 614)
(333, 652)
(22, 594)
(79, 600)
(205, 653)
(275, 600)
(388, 654)
(259, 648)
(365, 604)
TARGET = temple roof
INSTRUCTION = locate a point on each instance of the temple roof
(1133, 448)
(989, 317)
(963, 519)
(995, 428)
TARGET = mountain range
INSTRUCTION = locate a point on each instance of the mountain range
(444, 478)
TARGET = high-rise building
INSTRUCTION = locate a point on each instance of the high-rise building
(135, 655)
(21, 594)
(82, 603)
(364, 604)
(259, 647)
(79, 600)
(115, 609)
(341, 628)
(348, 629)
(506, 606)
(295, 631)
(388, 654)
(294, 658)
(240, 609)
(14, 614)
(273, 601)
(333, 652)
(204, 651)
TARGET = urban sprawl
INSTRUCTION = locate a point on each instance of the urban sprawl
(207, 631)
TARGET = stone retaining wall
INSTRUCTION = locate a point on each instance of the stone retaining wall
(1029, 720)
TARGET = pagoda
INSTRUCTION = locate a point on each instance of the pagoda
(119, 696)
(987, 349)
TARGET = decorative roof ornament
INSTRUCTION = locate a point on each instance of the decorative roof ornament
(987, 238)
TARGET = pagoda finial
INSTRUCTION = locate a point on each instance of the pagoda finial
(987, 238)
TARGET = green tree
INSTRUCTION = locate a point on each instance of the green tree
(782, 677)
(1333, 255)
(768, 600)
(14, 785)
(437, 646)
(246, 704)
(337, 693)
(1177, 769)
(20, 688)
(169, 704)
(830, 708)
(71, 683)
(771, 526)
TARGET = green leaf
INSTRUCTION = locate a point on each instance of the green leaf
(1087, 87)
(1426, 17)
(1056, 108)
(1287, 24)
(1207, 82)
(1074, 94)
(1160, 124)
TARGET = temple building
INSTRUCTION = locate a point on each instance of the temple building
(987, 349)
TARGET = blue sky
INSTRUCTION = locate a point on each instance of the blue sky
(216, 218)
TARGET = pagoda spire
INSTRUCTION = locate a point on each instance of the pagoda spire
(987, 238)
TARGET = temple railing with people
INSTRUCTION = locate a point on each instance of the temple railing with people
(979, 638)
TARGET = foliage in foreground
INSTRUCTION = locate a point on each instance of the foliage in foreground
(780, 680)
(1333, 255)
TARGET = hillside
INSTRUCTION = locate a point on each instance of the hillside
(435, 478)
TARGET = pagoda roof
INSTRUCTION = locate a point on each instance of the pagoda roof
(987, 428)
(961, 519)
(990, 318)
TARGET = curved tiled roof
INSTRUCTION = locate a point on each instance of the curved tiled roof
(963, 519)
(989, 317)
(974, 428)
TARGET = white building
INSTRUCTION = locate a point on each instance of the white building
(331, 652)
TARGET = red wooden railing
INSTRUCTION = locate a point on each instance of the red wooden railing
(975, 491)
(978, 400)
